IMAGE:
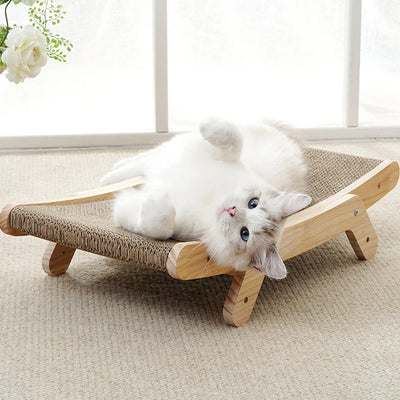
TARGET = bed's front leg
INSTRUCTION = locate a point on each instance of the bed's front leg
(56, 258)
(242, 296)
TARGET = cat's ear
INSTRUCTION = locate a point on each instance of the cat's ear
(271, 264)
(290, 202)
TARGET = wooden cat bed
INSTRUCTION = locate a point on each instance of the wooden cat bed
(342, 187)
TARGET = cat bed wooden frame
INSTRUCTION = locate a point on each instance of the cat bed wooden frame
(342, 186)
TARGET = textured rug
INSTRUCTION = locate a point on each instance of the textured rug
(111, 330)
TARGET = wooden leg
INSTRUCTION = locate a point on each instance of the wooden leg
(56, 258)
(242, 296)
(363, 237)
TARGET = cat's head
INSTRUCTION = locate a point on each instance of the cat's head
(247, 228)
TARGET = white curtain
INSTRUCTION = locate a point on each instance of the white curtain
(235, 58)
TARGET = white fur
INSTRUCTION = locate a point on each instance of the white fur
(193, 180)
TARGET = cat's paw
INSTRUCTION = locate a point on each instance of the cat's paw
(158, 217)
(117, 175)
(221, 133)
(109, 178)
(123, 163)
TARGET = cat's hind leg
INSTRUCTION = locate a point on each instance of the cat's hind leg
(141, 158)
(120, 174)
(126, 169)
(224, 135)
(130, 167)
(145, 212)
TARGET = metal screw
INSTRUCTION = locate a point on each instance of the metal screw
(355, 212)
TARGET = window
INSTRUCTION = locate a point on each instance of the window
(230, 58)
(282, 59)
(380, 63)
(106, 86)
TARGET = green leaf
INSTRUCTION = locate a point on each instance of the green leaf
(47, 13)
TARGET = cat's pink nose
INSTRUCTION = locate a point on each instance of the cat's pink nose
(232, 211)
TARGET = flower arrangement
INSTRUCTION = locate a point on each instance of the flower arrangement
(24, 50)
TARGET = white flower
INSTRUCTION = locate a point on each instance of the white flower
(29, 2)
(25, 54)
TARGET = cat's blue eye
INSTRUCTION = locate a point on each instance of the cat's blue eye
(253, 203)
(244, 234)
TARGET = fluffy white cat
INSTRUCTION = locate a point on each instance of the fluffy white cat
(228, 186)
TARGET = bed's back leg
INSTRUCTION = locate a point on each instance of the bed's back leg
(242, 296)
(362, 236)
(56, 258)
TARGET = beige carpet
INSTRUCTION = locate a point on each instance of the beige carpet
(109, 330)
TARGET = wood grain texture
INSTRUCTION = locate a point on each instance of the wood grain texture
(100, 193)
(375, 184)
(189, 260)
(242, 296)
(5, 221)
(363, 238)
(323, 221)
(56, 258)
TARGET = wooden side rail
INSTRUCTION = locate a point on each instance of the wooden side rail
(375, 184)
(323, 221)
(99, 193)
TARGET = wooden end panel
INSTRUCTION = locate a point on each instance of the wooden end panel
(190, 260)
(5, 221)
(323, 221)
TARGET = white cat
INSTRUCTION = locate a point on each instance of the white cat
(227, 186)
